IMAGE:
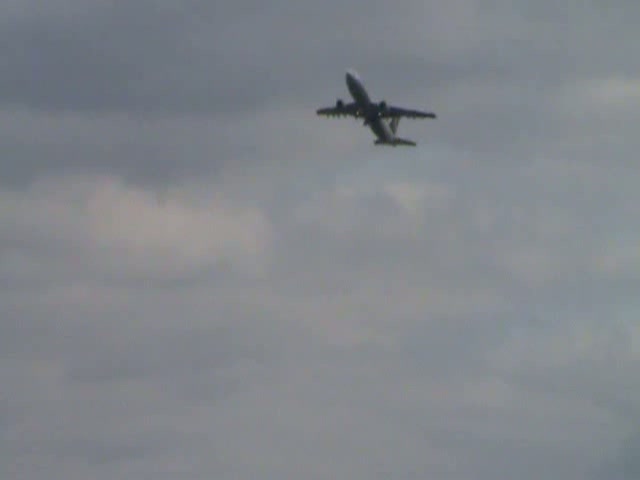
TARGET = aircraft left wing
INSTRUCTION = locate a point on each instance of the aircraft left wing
(340, 110)
(397, 112)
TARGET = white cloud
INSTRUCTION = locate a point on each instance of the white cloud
(388, 316)
(613, 91)
(596, 112)
(171, 230)
(108, 225)
(620, 259)
(387, 209)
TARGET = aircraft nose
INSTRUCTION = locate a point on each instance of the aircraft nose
(351, 75)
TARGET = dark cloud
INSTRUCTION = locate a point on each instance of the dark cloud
(221, 57)
(155, 92)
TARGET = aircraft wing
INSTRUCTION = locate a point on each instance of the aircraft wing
(340, 110)
(397, 112)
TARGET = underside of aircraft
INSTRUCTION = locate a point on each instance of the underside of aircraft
(382, 118)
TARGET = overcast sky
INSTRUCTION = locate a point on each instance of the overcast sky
(201, 279)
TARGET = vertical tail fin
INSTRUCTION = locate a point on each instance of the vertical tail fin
(393, 124)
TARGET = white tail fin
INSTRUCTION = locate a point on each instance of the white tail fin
(393, 124)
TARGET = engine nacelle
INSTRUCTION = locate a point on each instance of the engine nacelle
(339, 104)
(382, 106)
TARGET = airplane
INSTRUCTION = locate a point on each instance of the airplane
(374, 114)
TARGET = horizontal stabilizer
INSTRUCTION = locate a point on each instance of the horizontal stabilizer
(397, 141)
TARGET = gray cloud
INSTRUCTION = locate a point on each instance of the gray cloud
(200, 278)
(153, 92)
(624, 464)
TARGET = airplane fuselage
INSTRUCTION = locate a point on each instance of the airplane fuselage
(381, 118)
(369, 110)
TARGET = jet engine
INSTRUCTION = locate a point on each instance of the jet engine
(339, 104)
(382, 106)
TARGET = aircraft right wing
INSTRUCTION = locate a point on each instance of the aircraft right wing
(340, 110)
(397, 112)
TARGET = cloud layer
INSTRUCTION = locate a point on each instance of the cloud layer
(200, 278)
